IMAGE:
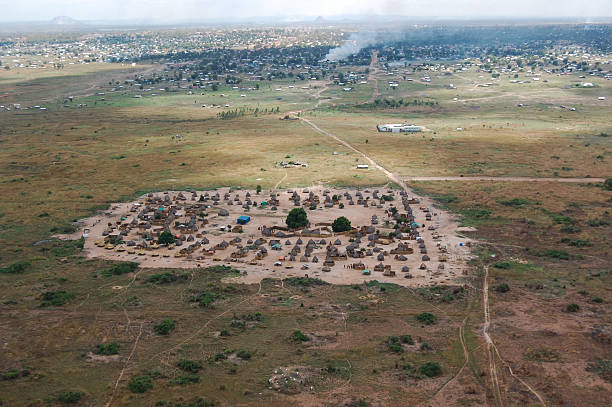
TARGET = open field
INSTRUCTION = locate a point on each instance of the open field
(539, 247)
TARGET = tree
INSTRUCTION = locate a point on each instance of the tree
(258, 189)
(297, 218)
(608, 184)
(341, 224)
(166, 238)
(426, 318)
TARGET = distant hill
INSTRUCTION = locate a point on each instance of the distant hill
(64, 20)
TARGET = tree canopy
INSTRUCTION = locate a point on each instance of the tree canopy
(341, 224)
(297, 218)
(165, 238)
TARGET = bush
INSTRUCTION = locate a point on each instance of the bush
(407, 339)
(426, 318)
(608, 184)
(140, 384)
(55, 298)
(106, 349)
(165, 278)
(220, 356)
(10, 375)
(341, 224)
(572, 307)
(243, 354)
(597, 300)
(425, 346)
(165, 327)
(297, 218)
(205, 299)
(121, 268)
(502, 288)
(15, 268)
(298, 336)
(430, 369)
(70, 397)
(394, 344)
(165, 238)
(190, 366)
(504, 265)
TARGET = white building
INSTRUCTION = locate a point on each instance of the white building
(399, 128)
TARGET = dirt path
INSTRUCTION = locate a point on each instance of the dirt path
(493, 352)
(506, 179)
(110, 400)
(372, 74)
(485, 332)
(392, 177)
(280, 180)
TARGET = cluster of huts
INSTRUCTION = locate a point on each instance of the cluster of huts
(195, 237)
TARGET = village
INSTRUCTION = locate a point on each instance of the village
(391, 237)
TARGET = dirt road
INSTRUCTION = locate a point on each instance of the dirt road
(506, 179)
(372, 75)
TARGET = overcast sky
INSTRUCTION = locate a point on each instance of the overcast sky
(181, 10)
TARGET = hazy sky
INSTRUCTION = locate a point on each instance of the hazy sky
(177, 10)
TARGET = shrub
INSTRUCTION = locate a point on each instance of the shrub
(598, 222)
(190, 366)
(165, 278)
(205, 299)
(394, 344)
(165, 327)
(426, 318)
(70, 397)
(298, 336)
(608, 184)
(341, 224)
(504, 265)
(121, 268)
(106, 349)
(10, 375)
(15, 268)
(572, 307)
(407, 339)
(502, 288)
(597, 300)
(55, 298)
(220, 356)
(425, 346)
(140, 384)
(297, 218)
(430, 369)
(243, 354)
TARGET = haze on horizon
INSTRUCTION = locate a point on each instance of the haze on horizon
(159, 11)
